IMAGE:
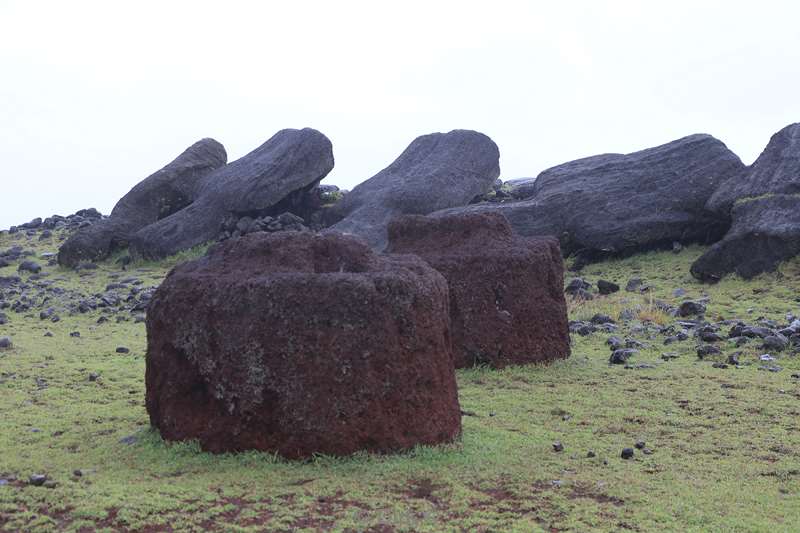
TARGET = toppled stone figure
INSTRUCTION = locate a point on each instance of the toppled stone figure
(764, 206)
(613, 204)
(300, 343)
(184, 204)
(290, 162)
(436, 171)
(507, 304)
(159, 195)
(765, 231)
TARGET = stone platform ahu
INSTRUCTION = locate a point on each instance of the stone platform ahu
(300, 343)
(507, 301)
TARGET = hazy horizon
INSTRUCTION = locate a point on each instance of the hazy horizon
(97, 96)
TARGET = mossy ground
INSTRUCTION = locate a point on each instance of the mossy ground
(726, 442)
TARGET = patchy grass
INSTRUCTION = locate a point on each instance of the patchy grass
(725, 442)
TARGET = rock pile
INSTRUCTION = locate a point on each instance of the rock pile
(507, 302)
(302, 344)
(81, 219)
(233, 227)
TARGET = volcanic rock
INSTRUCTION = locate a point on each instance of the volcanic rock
(614, 203)
(776, 171)
(607, 287)
(301, 344)
(436, 171)
(507, 301)
(159, 195)
(763, 205)
(290, 162)
(765, 231)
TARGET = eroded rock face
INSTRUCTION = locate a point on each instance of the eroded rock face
(301, 344)
(615, 203)
(291, 162)
(435, 172)
(161, 194)
(507, 301)
(776, 171)
(765, 232)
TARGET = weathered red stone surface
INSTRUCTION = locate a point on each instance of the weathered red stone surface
(301, 344)
(507, 303)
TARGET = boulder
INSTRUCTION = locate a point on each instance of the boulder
(507, 303)
(258, 184)
(607, 287)
(612, 204)
(300, 343)
(776, 171)
(436, 171)
(765, 231)
(159, 195)
(765, 227)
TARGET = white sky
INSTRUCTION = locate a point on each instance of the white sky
(95, 96)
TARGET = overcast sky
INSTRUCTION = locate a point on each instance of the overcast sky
(95, 96)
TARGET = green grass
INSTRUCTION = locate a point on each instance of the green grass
(726, 442)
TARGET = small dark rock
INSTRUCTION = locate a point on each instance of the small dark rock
(639, 445)
(776, 343)
(706, 350)
(710, 336)
(5, 343)
(602, 319)
(756, 331)
(123, 349)
(615, 343)
(75, 334)
(606, 287)
(29, 266)
(689, 308)
(37, 480)
(620, 357)
(633, 343)
(634, 284)
(575, 285)
(627, 453)
(558, 447)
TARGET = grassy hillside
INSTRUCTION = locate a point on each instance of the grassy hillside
(723, 443)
